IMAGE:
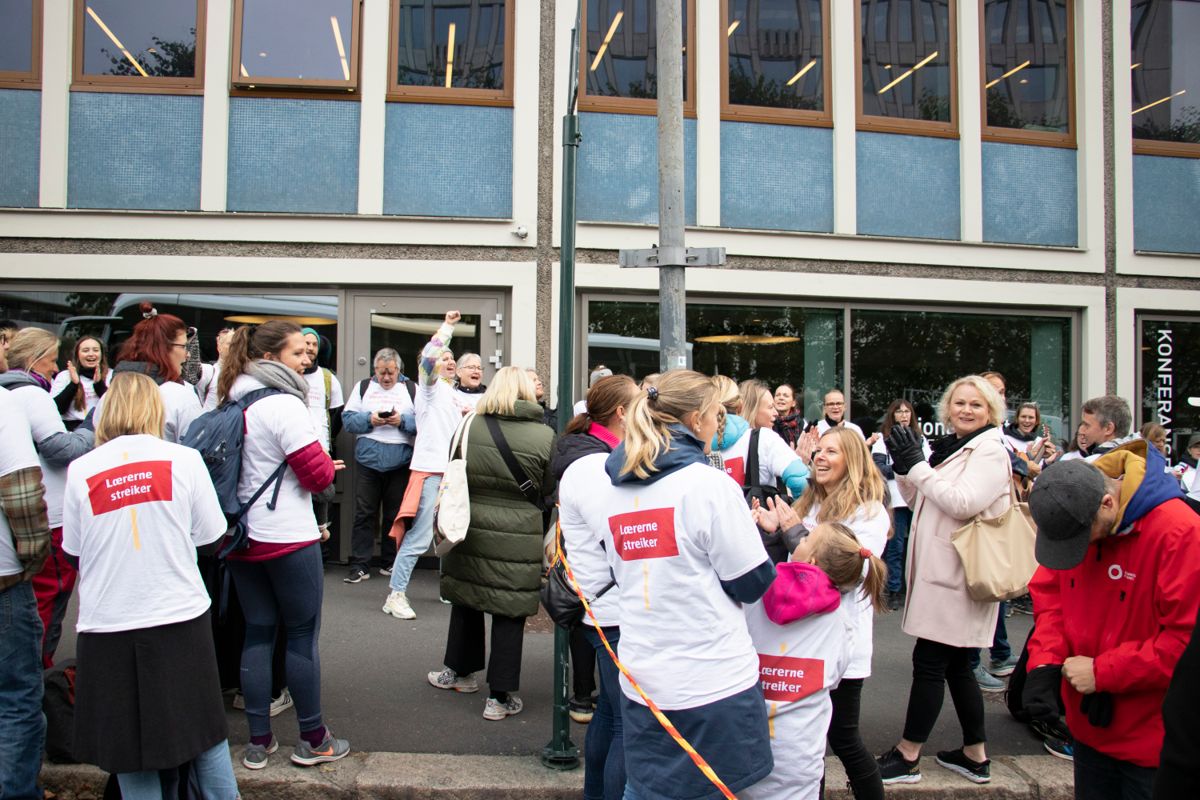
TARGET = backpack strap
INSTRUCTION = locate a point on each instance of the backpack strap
(412, 391)
(752, 480)
(362, 387)
(328, 376)
(523, 482)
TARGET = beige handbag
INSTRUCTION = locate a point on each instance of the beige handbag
(997, 553)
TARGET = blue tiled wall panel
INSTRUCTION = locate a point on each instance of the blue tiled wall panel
(298, 156)
(1166, 194)
(777, 177)
(618, 168)
(448, 161)
(134, 151)
(1030, 194)
(20, 146)
(907, 186)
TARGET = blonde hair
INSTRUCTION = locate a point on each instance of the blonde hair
(132, 405)
(986, 391)
(751, 392)
(862, 487)
(839, 555)
(509, 385)
(730, 398)
(679, 392)
(29, 346)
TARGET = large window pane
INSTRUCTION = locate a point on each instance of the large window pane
(915, 354)
(16, 36)
(621, 49)
(138, 40)
(301, 42)
(906, 59)
(1165, 70)
(776, 344)
(776, 53)
(451, 44)
(1027, 64)
(1170, 379)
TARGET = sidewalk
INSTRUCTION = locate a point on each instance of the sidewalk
(405, 776)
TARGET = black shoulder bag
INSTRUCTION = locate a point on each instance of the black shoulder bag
(754, 490)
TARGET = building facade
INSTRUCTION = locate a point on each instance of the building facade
(908, 190)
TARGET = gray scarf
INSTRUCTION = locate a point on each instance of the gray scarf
(274, 375)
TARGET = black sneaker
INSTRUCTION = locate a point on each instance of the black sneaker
(580, 711)
(895, 768)
(356, 575)
(957, 761)
(1059, 748)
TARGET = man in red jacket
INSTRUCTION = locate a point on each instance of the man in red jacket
(1114, 600)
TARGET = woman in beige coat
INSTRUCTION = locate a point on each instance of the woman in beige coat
(968, 474)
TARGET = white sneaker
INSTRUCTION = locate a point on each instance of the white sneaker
(494, 709)
(281, 703)
(397, 605)
(449, 679)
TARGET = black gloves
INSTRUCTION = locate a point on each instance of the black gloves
(905, 449)
(1098, 707)
(1040, 696)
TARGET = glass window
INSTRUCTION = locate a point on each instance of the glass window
(619, 56)
(133, 44)
(907, 53)
(1027, 65)
(454, 48)
(311, 44)
(775, 58)
(19, 41)
(776, 344)
(916, 354)
(1165, 75)
(1169, 379)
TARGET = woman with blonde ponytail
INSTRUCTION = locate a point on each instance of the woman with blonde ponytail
(685, 554)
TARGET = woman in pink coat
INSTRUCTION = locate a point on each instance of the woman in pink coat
(968, 474)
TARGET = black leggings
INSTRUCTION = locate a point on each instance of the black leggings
(935, 664)
(847, 743)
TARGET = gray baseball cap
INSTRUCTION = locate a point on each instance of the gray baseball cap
(1064, 501)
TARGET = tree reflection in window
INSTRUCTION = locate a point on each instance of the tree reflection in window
(140, 40)
(1027, 64)
(456, 44)
(906, 59)
(776, 53)
(1165, 70)
(622, 51)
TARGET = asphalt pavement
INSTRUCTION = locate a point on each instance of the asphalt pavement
(375, 693)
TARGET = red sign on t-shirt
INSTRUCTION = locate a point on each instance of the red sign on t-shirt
(644, 534)
(736, 469)
(130, 485)
(785, 679)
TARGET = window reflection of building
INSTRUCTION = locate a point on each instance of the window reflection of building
(1165, 70)
(906, 59)
(1027, 64)
(458, 44)
(776, 53)
(619, 55)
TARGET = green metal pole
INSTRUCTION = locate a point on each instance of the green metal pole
(561, 752)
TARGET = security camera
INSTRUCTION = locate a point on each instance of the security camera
(521, 232)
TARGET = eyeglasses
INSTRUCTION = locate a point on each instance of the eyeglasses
(177, 344)
(834, 405)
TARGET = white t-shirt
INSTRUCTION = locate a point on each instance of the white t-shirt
(17, 453)
(880, 447)
(209, 400)
(276, 426)
(375, 399)
(438, 415)
(774, 456)
(800, 663)
(180, 407)
(317, 405)
(468, 399)
(823, 425)
(44, 421)
(86, 385)
(584, 522)
(670, 544)
(136, 509)
(870, 527)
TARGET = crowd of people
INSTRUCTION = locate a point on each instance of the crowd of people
(733, 553)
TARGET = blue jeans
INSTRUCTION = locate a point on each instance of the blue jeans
(417, 540)
(896, 549)
(214, 772)
(22, 724)
(288, 588)
(604, 746)
(1000, 649)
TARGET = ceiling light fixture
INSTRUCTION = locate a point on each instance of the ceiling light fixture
(450, 56)
(117, 42)
(341, 48)
(1012, 71)
(746, 338)
(1161, 100)
(802, 72)
(612, 29)
(733, 26)
(908, 72)
(1135, 66)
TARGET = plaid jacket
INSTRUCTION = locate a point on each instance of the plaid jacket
(22, 500)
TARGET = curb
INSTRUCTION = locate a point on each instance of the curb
(419, 776)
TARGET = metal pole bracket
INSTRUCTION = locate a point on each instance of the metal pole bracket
(673, 257)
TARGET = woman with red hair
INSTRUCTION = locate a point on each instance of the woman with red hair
(158, 349)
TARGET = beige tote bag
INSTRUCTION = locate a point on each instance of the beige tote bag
(997, 553)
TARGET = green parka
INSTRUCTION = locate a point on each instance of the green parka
(497, 568)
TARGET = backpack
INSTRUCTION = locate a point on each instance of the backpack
(219, 436)
(408, 384)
